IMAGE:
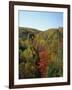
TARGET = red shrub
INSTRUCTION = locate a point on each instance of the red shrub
(42, 64)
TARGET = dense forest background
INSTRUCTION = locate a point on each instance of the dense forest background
(40, 53)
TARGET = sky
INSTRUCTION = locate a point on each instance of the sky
(42, 20)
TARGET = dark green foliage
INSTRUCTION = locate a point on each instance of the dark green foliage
(28, 70)
(55, 69)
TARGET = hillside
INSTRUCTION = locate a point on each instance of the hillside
(25, 31)
(40, 55)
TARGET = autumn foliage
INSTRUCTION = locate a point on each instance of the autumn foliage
(40, 53)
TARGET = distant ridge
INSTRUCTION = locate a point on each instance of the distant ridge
(29, 29)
